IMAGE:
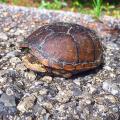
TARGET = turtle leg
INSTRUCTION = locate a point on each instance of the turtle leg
(67, 75)
(32, 63)
(62, 73)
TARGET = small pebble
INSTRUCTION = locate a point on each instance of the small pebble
(63, 96)
(9, 91)
(26, 103)
(12, 54)
(2, 80)
(3, 36)
(8, 101)
(43, 91)
(46, 79)
(110, 87)
(21, 67)
(30, 75)
(18, 32)
(15, 60)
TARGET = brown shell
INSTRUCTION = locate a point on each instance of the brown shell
(66, 46)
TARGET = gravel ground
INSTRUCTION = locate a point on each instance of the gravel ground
(26, 95)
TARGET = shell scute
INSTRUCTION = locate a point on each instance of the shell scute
(60, 47)
(69, 67)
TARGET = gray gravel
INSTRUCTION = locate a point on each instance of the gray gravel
(26, 95)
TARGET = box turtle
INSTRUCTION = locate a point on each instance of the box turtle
(63, 49)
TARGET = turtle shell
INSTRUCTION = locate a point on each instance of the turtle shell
(66, 46)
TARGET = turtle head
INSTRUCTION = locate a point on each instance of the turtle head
(32, 63)
(24, 44)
